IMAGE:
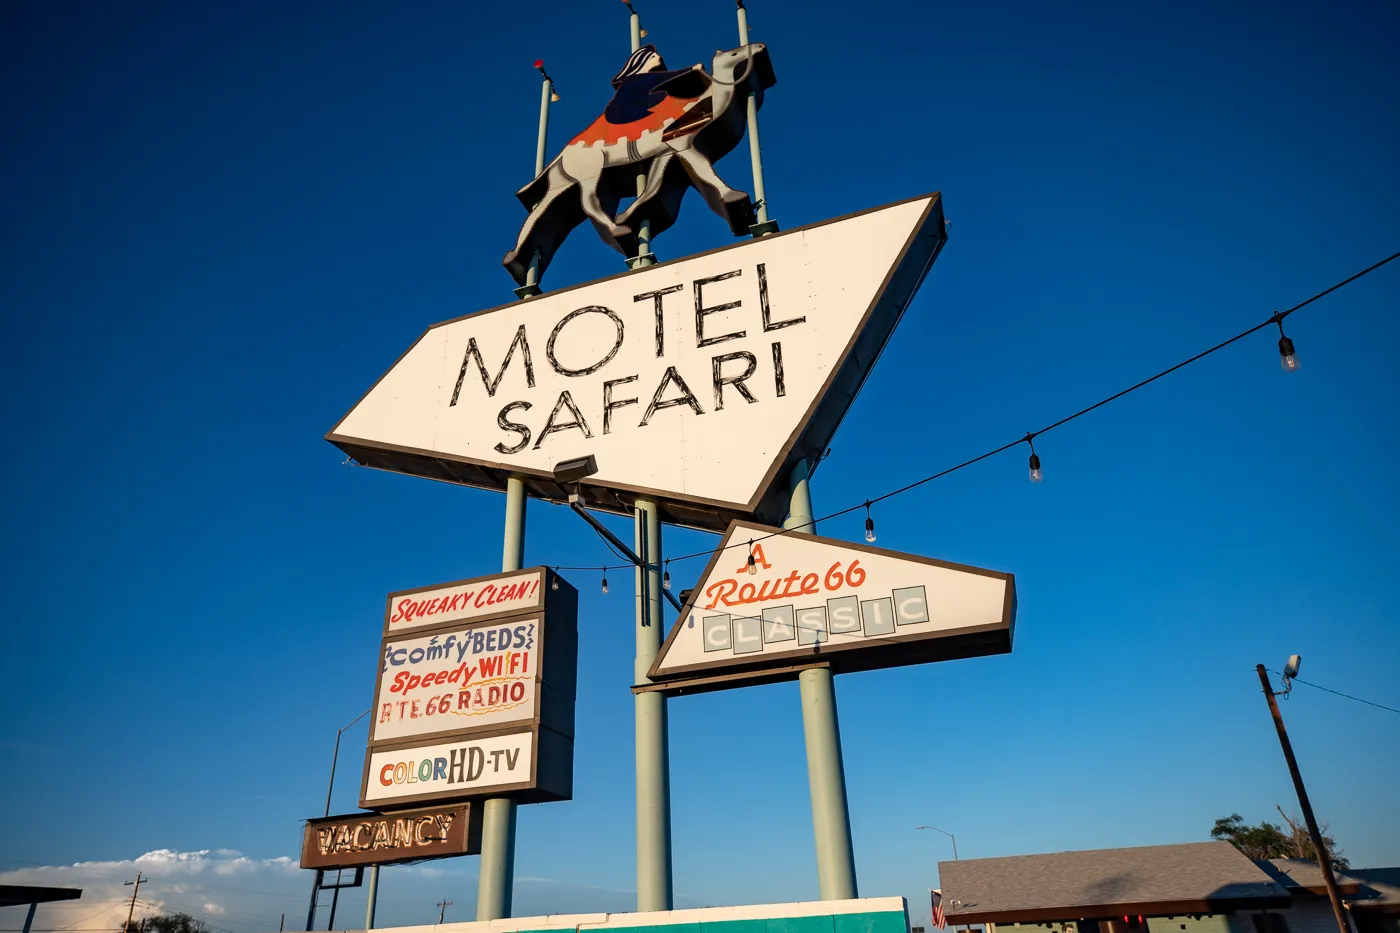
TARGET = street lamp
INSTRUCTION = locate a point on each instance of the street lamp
(946, 833)
(320, 873)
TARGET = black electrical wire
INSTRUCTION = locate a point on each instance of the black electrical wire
(1299, 680)
(1276, 318)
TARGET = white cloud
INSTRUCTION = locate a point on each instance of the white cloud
(235, 893)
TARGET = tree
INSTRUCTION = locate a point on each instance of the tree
(1269, 840)
(166, 923)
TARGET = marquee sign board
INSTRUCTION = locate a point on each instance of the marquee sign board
(697, 382)
(487, 675)
(469, 701)
(532, 765)
(379, 839)
(475, 600)
(855, 607)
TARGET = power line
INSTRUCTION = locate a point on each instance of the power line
(1299, 680)
(1276, 318)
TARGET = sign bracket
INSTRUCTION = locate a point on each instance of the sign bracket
(676, 688)
(615, 541)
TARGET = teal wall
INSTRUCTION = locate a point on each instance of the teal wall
(873, 922)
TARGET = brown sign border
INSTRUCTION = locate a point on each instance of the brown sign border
(555, 781)
(811, 435)
(870, 654)
(463, 841)
(556, 682)
(538, 606)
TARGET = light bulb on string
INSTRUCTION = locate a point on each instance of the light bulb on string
(869, 524)
(1288, 357)
(666, 577)
(605, 579)
(753, 567)
(1036, 473)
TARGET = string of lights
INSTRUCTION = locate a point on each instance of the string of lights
(1288, 361)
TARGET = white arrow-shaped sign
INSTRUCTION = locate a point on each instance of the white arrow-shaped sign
(696, 382)
(813, 599)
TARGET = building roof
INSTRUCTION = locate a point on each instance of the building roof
(1380, 889)
(1198, 877)
(1304, 874)
(20, 895)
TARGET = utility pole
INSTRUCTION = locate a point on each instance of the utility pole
(136, 886)
(442, 909)
(1324, 858)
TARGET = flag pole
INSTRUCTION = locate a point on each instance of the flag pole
(760, 195)
(531, 288)
(644, 256)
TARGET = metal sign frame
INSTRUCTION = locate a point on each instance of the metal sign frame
(811, 435)
(870, 654)
(463, 838)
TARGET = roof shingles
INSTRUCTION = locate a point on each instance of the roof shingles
(1104, 882)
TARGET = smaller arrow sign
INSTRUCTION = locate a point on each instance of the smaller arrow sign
(812, 599)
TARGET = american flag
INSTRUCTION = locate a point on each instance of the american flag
(939, 920)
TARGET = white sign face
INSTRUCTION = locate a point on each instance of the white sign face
(464, 767)
(473, 678)
(812, 598)
(465, 601)
(692, 381)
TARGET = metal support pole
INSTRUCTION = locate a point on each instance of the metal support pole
(546, 90)
(315, 890)
(826, 774)
(371, 903)
(330, 786)
(335, 902)
(760, 195)
(1324, 858)
(29, 918)
(532, 274)
(653, 748)
(644, 255)
(494, 888)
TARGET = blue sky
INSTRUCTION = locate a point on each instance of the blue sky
(223, 222)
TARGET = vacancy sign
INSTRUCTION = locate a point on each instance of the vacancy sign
(812, 599)
(697, 382)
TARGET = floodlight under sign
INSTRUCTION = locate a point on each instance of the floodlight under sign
(571, 471)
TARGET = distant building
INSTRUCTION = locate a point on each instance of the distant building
(1200, 887)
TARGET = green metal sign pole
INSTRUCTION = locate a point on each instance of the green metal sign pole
(760, 196)
(373, 896)
(653, 740)
(644, 254)
(494, 887)
(826, 774)
(497, 879)
(532, 274)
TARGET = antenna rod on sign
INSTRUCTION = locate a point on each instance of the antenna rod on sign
(760, 196)
(548, 95)
(644, 255)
